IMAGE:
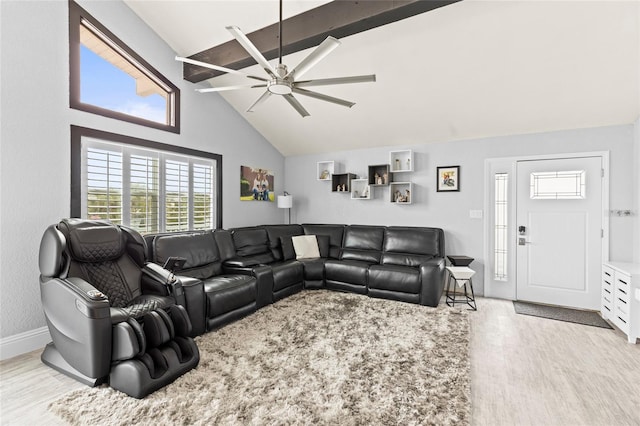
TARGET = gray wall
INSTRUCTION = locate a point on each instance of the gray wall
(636, 174)
(35, 138)
(314, 201)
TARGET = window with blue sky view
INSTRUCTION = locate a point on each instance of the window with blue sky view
(105, 85)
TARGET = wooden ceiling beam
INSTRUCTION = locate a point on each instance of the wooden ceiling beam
(340, 18)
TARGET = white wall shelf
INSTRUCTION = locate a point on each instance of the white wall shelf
(325, 170)
(401, 192)
(401, 161)
(360, 189)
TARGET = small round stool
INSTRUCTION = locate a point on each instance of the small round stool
(460, 275)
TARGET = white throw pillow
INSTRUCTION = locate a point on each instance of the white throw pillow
(305, 246)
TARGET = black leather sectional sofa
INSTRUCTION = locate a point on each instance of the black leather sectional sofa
(231, 273)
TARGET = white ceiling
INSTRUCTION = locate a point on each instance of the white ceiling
(469, 70)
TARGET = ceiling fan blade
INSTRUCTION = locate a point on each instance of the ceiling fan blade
(260, 100)
(296, 105)
(218, 68)
(225, 88)
(323, 97)
(314, 57)
(252, 50)
(339, 80)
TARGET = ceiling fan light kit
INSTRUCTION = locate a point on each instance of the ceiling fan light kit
(281, 81)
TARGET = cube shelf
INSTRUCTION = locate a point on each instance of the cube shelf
(325, 170)
(401, 192)
(379, 175)
(360, 189)
(401, 161)
(342, 182)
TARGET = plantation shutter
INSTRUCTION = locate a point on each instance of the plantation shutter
(104, 184)
(177, 195)
(144, 194)
(202, 196)
(148, 190)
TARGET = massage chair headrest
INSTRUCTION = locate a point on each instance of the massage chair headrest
(92, 240)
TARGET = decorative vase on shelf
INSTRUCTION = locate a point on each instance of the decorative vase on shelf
(408, 163)
(397, 164)
(385, 178)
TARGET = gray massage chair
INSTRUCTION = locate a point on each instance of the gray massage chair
(112, 317)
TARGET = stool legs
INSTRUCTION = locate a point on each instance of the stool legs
(450, 295)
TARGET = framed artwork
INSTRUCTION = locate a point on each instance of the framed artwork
(448, 178)
(256, 184)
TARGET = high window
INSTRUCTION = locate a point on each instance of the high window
(148, 186)
(110, 79)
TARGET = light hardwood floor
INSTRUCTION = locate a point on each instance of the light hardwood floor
(524, 371)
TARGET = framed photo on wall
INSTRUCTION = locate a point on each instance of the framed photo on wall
(256, 184)
(448, 179)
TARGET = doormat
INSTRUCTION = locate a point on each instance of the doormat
(561, 314)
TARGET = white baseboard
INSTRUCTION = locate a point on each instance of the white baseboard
(22, 343)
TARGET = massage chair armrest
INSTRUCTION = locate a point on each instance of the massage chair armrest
(264, 277)
(432, 280)
(79, 321)
(160, 281)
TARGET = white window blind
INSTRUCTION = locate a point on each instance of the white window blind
(148, 190)
(104, 185)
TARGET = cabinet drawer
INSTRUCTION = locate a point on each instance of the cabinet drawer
(621, 322)
(621, 307)
(608, 274)
(623, 282)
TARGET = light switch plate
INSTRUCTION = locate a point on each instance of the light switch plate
(638, 294)
(475, 214)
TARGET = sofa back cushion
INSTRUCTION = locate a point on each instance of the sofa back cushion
(252, 242)
(335, 234)
(199, 250)
(363, 243)
(411, 246)
(275, 234)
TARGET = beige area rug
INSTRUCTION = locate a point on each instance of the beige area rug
(317, 357)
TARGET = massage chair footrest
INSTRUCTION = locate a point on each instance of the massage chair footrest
(140, 376)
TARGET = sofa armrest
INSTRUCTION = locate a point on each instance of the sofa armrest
(432, 281)
(160, 281)
(264, 277)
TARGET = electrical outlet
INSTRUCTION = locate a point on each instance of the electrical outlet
(475, 214)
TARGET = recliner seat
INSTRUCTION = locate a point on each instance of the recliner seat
(103, 326)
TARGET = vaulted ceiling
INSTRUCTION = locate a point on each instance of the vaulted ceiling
(468, 70)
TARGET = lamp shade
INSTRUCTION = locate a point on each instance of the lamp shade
(285, 201)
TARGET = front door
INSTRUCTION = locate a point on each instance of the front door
(559, 231)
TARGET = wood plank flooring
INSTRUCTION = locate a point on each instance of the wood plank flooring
(524, 371)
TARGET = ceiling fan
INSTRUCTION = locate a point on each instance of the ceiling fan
(281, 81)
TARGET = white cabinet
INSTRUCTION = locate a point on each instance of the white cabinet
(621, 297)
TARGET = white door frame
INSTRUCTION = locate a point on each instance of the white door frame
(507, 289)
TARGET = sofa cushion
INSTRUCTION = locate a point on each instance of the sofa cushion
(323, 245)
(335, 233)
(226, 293)
(286, 274)
(286, 246)
(305, 246)
(199, 250)
(395, 278)
(250, 241)
(275, 234)
(348, 271)
(362, 243)
(415, 240)
(249, 261)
